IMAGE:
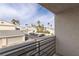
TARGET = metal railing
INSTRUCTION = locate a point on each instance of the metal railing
(44, 46)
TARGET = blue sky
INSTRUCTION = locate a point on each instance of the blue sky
(26, 13)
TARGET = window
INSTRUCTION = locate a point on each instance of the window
(17, 28)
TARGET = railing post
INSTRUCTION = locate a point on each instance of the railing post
(39, 48)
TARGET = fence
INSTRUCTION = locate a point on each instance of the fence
(44, 46)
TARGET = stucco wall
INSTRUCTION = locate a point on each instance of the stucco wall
(67, 32)
(9, 41)
(15, 40)
(0, 43)
(7, 28)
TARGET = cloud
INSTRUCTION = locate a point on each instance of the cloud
(26, 13)
(7, 11)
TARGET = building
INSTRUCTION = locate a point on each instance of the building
(41, 29)
(4, 25)
(30, 29)
(11, 37)
(10, 34)
(51, 30)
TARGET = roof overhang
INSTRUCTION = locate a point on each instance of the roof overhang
(59, 7)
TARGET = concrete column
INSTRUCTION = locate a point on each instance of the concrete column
(4, 42)
(23, 38)
(67, 32)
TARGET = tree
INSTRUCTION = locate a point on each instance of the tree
(16, 22)
(48, 23)
(38, 22)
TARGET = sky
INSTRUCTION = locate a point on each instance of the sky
(26, 13)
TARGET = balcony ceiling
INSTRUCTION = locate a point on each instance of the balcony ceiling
(59, 7)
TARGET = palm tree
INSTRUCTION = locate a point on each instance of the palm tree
(48, 23)
(38, 22)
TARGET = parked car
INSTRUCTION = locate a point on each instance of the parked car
(33, 34)
(41, 35)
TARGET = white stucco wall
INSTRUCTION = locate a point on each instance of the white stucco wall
(7, 28)
(0, 43)
(67, 32)
(4, 25)
(15, 40)
(9, 41)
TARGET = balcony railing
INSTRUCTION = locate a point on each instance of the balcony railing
(44, 46)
